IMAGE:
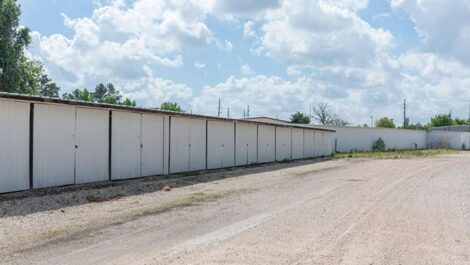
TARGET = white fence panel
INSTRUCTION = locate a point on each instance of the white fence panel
(283, 143)
(92, 140)
(309, 143)
(152, 145)
(179, 145)
(297, 143)
(126, 145)
(220, 144)
(266, 143)
(197, 144)
(246, 146)
(14, 146)
(54, 145)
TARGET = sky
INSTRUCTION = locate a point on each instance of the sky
(361, 57)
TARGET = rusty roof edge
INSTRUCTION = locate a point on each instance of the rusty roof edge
(41, 99)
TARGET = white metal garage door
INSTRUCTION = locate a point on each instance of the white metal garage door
(54, 145)
(179, 145)
(126, 145)
(246, 149)
(266, 144)
(197, 144)
(283, 143)
(14, 146)
(297, 143)
(318, 143)
(92, 140)
(326, 143)
(309, 143)
(152, 145)
(220, 145)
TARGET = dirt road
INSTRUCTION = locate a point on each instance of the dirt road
(413, 211)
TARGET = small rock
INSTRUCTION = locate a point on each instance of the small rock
(167, 188)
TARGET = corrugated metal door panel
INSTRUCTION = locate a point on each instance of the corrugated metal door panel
(297, 143)
(283, 143)
(309, 143)
(266, 144)
(197, 140)
(318, 143)
(126, 131)
(220, 146)
(92, 140)
(152, 145)
(326, 143)
(54, 145)
(14, 146)
(179, 145)
(245, 144)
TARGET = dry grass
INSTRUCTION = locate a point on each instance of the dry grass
(395, 154)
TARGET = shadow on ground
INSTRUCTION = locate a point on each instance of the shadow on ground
(50, 199)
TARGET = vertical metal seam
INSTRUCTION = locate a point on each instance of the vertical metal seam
(235, 144)
(257, 143)
(207, 126)
(169, 144)
(110, 143)
(31, 144)
(75, 149)
(141, 143)
(275, 143)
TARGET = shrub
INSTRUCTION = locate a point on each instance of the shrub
(379, 145)
(464, 146)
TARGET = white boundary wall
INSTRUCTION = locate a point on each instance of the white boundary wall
(48, 144)
(449, 139)
(347, 139)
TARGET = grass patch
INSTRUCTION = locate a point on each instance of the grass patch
(395, 154)
(190, 174)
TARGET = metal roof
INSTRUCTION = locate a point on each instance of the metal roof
(41, 99)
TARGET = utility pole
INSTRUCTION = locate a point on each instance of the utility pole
(244, 113)
(248, 111)
(228, 112)
(218, 109)
(372, 121)
(468, 122)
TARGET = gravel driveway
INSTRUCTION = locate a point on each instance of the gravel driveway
(414, 211)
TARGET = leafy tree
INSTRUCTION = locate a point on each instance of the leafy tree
(379, 145)
(441, 120)
(459, 121)
(18, 74)
(102, 94)
(78, 94)
(171, 106)
(385, 122)
(299, 117)
(336, 121)
(417, 126)
(128, 102)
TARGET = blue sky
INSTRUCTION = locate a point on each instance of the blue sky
(361, 57)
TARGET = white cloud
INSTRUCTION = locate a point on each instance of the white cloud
(248, 30)
(199, 65)
(120, 39)
(246, 70)
(442, 25)
(224, 45)
(243, 7)
(335, 35)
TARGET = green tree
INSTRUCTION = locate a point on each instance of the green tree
(385, 122)
(171, 106)
(325, 116)
(18, 74)
(78, 94)
(441, 120)
(459, 121)
(128, 102)
(299, 117)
